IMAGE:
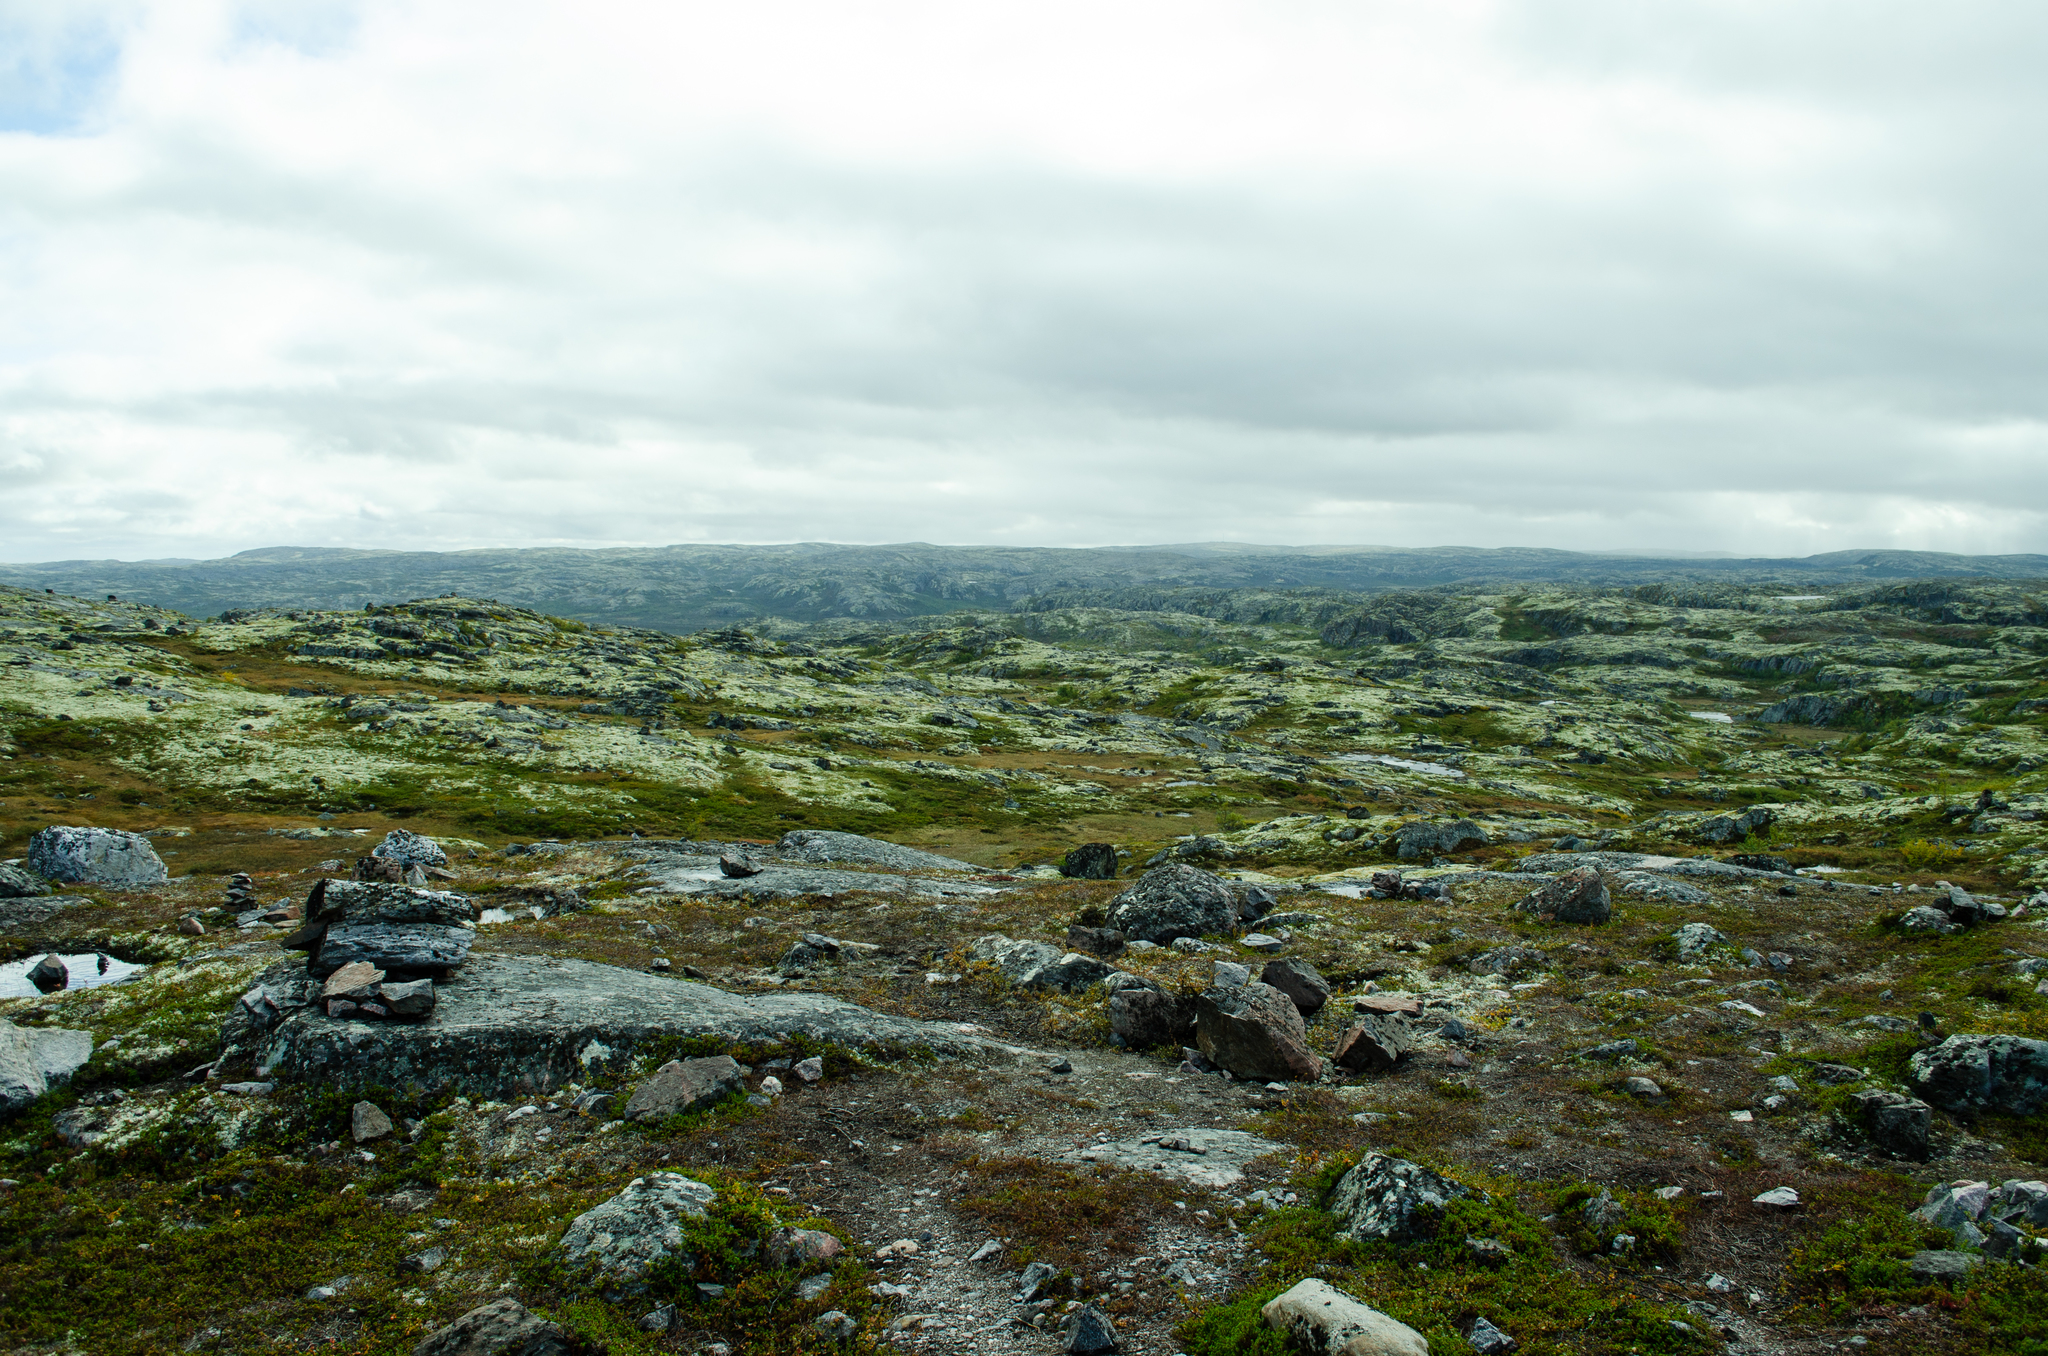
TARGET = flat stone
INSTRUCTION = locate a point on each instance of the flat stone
(367, 1121)
(401, 947)
(35, 1058)
(1211, 1158)
(1777, 1198)
(507, 1024)
(823, 845)
(1319, 1318)
(349, 978)
(16, 883)
(684, 1085)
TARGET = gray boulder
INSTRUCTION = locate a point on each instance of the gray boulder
(1018, 961)
(1390, 1198)
(684, 1085)
(16, 883)
(504, 1327)
(1574, 896)
(1926, 918)
(1698, 939)
(1942, 1266)
(513, 1025)
(1144, 1018)
(1090, 861)
(1424, 839)
(1898, 1125)
(1072, 973)
(1255, 1032)
(410, 849)
(2006, 1074)
(1172, 901)
(95, 856)
(1300, 982)
(626, 1235)
(35, 1058)
(1736, 827)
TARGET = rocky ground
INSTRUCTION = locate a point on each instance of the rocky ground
(1804, 927)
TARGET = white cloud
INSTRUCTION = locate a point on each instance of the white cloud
(1711, 276)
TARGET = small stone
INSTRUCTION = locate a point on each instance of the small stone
(810, 1070)
(49, 974)
(835, 1324)
(1778, 1198)
(1719, 1284)
(429, 1260)
(1259, 941)
(737, 867)
(1645, 1088)
(1035, 1278)
(1489, 1340)
(190, 926)
(1231, 975)
(1060, 1066)
(985, 1251)
(1318, 1317)
(659, 1320)
(1089, 1332)
(772, 1086)
(367, 1122)
(1942, 1266)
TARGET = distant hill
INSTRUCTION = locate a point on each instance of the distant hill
(686, 588)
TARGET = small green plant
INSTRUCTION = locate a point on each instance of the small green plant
(1921, 855)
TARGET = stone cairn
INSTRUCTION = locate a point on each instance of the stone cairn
(241, 893)
(380, 945)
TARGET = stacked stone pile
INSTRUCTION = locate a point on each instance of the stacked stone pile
(379, 946)
(241, 893)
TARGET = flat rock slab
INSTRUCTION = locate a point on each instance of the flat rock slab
(692, 874)
(509, 1024)
(23, 915)
(1219, 1162)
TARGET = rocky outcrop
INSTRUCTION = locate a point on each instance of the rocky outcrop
(33, 1059)
(1390, 1198)
(1424, 839)
(623, 1238)
(2006, 1074)
(1174, 901)
(1037, 965)
(1575, 896)
(1317, 1317)
(821, 845)
(1255, 1031)
(87, 856)
(511, 1024)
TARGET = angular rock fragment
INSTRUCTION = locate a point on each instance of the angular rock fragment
(367, 1121)
(737, 867)
(1384, 1197)
(1255, 1032)
(1697, 939)
(1174, 901)
(1575, 896)
(1319, 1318)
(49, 974)
(406, 948)
(1898, 1125)
(809, 950)
(1090, 861)
(1089, 1332)
(1300, 981)
(1422, 840)
(1926, 918)
(1375, 1043)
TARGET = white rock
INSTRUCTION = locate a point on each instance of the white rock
(99, 856)
(1323, 1319)
(34, 1058)
(1778, 1198)
(633, 1230)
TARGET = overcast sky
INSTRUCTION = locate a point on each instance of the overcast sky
(1758, 277)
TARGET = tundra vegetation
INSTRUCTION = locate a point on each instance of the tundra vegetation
(1777, 848)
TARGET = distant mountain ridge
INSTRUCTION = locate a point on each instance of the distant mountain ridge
(687, 588)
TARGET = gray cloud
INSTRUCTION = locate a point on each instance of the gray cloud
(1723, 277)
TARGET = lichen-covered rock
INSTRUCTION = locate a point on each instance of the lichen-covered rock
(410, 849)
(626, 1235)
(348, 901)
(403, 948)
(95, 856)
(1319, 1318)
(1898, 1125)
(1697, 939)
(1018, 961)
(1374, 1043)
(1384, 1197)
(1575, 896)
(2005, 1074)
(1090, 861)
(1172, 901)
(824, 845)
(1254, 1031)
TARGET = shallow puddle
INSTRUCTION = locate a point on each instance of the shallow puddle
(87, 970)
